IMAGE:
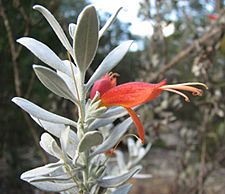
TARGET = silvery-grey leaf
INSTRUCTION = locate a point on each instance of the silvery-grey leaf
(53, 128)
(114, 137)
(120, 160)
(94, 110)
(142, 176)
(62, 177)
(72, 147)
(72, 28)
(64, 139)
(55, 26)
(69, 191)
(40, 113)
(108, 119)
(110, 61)
(52, 165)
(109, 22)
(56, 129)
(108, 182)
(54, 187)
(49, 178)
(139, 144)
(39, 171)
(50, 146)
(86, 38)
(96, 98)
(53, 82)
(68, 65)
(69, 79)
(111, 112)
(90, 139)
(44, 53)
(98, 112)
(94, 105)
(132, 149)
(124, 189)
(100, 123)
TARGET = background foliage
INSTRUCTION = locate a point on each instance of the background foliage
(188, 139)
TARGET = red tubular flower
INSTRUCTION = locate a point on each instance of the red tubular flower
(132, 94)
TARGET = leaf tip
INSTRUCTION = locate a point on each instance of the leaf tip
(89, 7)
(24, 40)
(37, 68)
(15, 99)
(19, 40)
(36, 7)
(130, 42)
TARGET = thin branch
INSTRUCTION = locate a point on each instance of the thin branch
(208, 36)
(27, 27)
(12, 49)
(17, 80)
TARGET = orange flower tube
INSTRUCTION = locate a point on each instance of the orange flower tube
(133, 94)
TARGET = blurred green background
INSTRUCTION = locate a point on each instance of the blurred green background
(188, 153)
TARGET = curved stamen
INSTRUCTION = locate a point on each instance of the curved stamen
(179, 93)
(189, 84)
(195, 91)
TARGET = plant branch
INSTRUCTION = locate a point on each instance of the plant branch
(214, 31)
(27, 27)
(17, 80)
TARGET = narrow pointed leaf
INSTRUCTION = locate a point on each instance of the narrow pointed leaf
(90, 139)
(98, 112)
(109, 22)
(61, 177)
(124, 189)
(55, 26)
(110, 61)
(86, 38)
(51, 186)
(114, 137)
(132, 149)
(53, 82)
(108, 119)
(69, 79)
(142, 176)
(101, 123)
(120, 160)
(64, 139)
(50, 146)
(40, 171)
(111, 112)
(53, 128)
(44, 53)
(40, 113)
(56, 130)
(118, 180)
(67, 64)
